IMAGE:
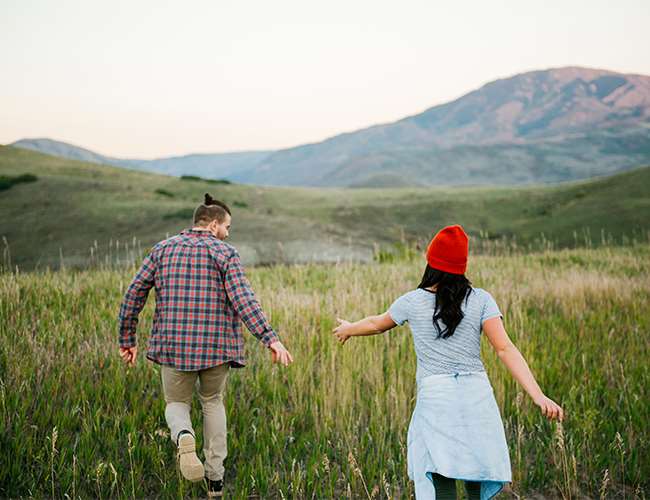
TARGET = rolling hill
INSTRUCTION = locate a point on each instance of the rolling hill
(72, 207)
(538, 127)
(212, 166)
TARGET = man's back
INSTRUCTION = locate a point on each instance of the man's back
(201, 296)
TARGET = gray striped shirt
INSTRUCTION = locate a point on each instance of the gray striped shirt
(456, 354)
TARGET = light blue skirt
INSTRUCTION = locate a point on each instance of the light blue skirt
(457, 432)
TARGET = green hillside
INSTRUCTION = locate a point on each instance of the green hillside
(71, 205)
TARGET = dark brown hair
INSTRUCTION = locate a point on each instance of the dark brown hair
(451, 291)
(210, 210)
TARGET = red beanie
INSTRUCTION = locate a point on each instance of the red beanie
(448, 250)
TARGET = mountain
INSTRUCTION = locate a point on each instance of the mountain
(542, 126)
(86, 214)
(212, 166)
(538, 127)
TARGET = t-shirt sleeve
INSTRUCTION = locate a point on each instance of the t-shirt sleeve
(399, 310)
(490, 308)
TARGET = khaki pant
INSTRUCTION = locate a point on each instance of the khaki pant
(178, 387)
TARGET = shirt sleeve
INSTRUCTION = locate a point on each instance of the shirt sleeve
(399, 310)
(134, 300)
(490, 308)
(246, 305)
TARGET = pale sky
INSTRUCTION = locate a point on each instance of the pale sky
(151, 78)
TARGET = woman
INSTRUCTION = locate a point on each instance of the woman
(456, 430)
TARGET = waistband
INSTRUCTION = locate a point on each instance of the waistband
(442, 377)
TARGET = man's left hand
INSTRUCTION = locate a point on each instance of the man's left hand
(279, 354)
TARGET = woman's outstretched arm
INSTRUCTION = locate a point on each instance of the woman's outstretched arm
(372, 325)
(516, 364)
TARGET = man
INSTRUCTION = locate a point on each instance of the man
(201, 296)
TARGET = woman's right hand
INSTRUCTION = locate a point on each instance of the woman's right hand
(340, 331)
(550, 409)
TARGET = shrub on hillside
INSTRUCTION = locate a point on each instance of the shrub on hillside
(183, 213)
(164, 192)
(209, 181)
(9, 181)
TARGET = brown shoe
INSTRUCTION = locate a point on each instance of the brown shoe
(191, 467)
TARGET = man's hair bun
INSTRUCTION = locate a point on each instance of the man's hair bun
(210, 210)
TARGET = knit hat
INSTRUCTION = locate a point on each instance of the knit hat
(448, 250)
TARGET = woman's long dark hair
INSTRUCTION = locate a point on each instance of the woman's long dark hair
(451, 290)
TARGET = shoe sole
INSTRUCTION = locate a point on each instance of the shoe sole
(190, 465)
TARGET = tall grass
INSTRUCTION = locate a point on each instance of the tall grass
(75, 422)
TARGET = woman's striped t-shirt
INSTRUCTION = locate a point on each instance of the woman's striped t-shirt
(459, 353)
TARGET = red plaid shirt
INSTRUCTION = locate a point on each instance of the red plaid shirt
(202, 295)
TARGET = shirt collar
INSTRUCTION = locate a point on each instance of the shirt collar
(197, 232)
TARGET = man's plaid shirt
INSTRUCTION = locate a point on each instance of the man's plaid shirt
(202, 295)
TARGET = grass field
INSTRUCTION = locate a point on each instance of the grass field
(74, 209)
(74, 422)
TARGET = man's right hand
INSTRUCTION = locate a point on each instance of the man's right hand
(279, 354)
(129, 355)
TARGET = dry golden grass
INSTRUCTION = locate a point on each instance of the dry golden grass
(75, 422)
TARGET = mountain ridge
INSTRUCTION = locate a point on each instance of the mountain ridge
(559, 104)
(540, 126)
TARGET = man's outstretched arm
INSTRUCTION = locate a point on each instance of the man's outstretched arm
(133, 302)
(249, 310)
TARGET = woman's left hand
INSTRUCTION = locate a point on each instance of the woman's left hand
(340, 330)
(550, 409)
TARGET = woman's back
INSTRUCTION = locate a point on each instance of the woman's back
(459, 353)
